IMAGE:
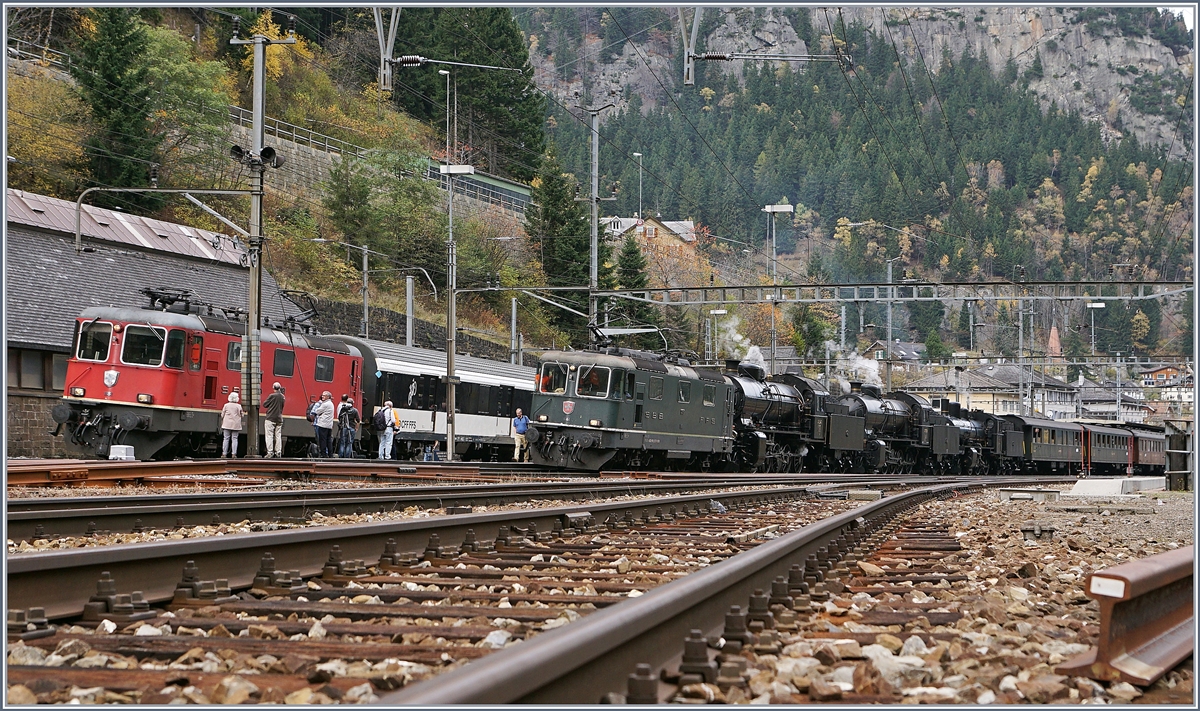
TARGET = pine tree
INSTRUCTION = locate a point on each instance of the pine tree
(114, 84)
(631, 274)
(558, 229)
(963, 331)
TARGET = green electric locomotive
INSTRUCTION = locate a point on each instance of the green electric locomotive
(590, 407)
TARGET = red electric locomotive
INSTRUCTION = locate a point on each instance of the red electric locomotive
(156, 379)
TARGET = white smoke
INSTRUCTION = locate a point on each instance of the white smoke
(728, 340)
(754, 356)
(852, 366)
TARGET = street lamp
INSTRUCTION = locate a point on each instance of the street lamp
(891, 295)
(639, 157)
(1092, 306)
(772, 209)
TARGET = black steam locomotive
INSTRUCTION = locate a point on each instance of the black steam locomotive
(621, 409)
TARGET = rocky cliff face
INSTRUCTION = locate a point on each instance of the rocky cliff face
(1095, 75)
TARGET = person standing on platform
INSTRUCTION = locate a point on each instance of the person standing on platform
(323, 420)
(520, 427)
(348, 420)
(231, 426)
(384, 423)
(274, 408)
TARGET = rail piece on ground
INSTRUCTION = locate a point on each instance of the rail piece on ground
(585, 661)
(1146, 619)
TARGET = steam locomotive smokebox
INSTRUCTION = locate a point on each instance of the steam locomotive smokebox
(846, 433)
(750, 370)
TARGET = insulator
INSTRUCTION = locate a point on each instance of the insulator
(291, 24)
(410, 60)
(237, 26)
(715, 56)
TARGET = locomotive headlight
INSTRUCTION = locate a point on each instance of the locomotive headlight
(595, 423)
(145, 398)
(77, 392)
(542, 418)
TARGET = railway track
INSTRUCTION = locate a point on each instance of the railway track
(431, 603)
(52, 517)
(227, 472)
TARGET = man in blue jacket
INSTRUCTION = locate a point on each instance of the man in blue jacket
(520, 426)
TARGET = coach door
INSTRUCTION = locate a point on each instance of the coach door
(623, 392)
(212, 363)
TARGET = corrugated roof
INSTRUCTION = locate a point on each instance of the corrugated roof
(43, 212)
(47, 285)
(969, 380)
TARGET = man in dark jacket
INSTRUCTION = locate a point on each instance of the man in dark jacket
(348, 420)
(274, 408)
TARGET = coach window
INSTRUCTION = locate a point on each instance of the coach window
(323, 371)
(93, 341)
(593, 381)
(285, 363)
(176, 342)
(710, 395)
(656, 388)
(143, 345)
(233, 356)
(685, 391)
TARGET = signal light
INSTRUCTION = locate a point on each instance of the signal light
(542, 418)
(145, 398)
(595, 423)
(77, 392)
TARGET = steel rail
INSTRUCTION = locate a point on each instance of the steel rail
(62, 581)
(1147, 619)
(63, 517)
(582, 662)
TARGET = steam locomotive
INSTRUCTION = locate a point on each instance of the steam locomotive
(156, 379)
(619, 409)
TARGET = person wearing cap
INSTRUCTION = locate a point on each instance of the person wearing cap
(274, 408)
(348, 419)
(231, 426)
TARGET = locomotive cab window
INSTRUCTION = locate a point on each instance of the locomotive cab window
(93, 341)
(630, 379)
(176, 345)
(593, 381)
(656, 388)
(143, 345)
(618, 380)
(553, 378)
(685, 391)
(285, 363)
(323, 371)
(233, 356)
(710, 395)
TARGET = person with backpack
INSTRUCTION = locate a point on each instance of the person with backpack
(348, 420)
(384, 422)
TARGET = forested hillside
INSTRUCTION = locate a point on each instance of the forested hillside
(973, 145)
(947, 162)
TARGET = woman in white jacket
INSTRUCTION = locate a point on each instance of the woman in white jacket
(323, 417)
(231, 426)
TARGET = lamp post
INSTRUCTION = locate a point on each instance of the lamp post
(1092, 306)
(639, 157)
(772, 209)
(891, 295)
(257, 158)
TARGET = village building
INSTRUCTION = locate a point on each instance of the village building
(973, 390)
(1042, 395)
(669, 246)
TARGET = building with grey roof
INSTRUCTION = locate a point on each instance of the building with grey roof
(48, 284)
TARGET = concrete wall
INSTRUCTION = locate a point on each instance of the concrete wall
(29, 426)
